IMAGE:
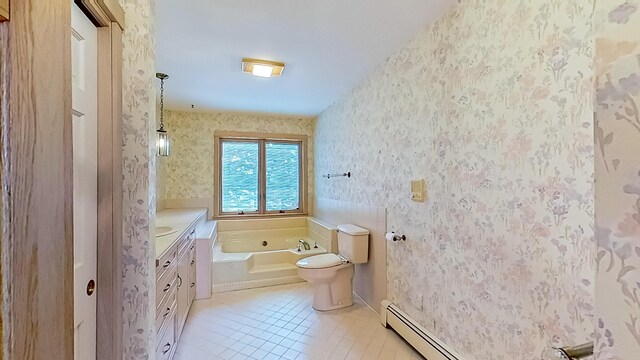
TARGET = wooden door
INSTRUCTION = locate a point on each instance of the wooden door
(84, 55)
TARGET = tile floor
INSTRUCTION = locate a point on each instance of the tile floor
(279, 323)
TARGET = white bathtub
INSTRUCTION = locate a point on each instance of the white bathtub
(264, 252)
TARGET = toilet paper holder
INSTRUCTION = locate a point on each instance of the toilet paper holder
(395, 237)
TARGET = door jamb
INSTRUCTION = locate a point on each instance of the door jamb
(37, 181)
(109, 19)
(4, 10)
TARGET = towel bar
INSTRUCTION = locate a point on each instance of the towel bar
(569, 353)
(329, 176)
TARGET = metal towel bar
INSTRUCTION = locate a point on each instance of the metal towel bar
(329, 176)
(569, 353)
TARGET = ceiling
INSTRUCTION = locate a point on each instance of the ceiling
(328, 47)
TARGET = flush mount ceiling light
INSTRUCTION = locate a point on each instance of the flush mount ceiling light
(262, 68)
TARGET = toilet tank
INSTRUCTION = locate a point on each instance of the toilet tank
(353, 243)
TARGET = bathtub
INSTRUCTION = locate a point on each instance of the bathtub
(263, 252)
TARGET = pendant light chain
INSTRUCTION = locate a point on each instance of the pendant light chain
(161, 103)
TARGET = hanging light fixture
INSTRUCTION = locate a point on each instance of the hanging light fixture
(163, 143)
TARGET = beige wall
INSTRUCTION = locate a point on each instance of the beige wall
(492, 105)
(188, 172)
(618, 179)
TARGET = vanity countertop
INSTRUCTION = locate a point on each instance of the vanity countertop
(179, 219)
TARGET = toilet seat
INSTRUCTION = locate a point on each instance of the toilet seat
(320, 261)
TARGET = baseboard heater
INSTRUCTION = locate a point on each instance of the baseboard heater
(424, 342)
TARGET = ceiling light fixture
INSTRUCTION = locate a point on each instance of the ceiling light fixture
(163, 143)
(262, 68)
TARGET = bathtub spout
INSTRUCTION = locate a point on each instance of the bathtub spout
(305, 244)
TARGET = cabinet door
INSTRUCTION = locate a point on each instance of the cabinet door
(183, 291)
(192, 273)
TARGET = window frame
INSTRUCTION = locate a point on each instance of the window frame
(220, 137)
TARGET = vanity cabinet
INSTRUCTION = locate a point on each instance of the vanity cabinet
(185, 279)
(175, 292)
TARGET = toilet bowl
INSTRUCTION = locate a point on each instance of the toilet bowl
(332, 275)
(332, 279)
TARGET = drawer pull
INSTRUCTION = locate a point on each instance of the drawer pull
(193, 284)
(193, 262)
(166, 348)
(180, 279)
(192, 247)
(167, 264)
(166, 288)
(167, 313)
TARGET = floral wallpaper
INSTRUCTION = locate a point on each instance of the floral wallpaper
(493, 106)
(138, 180)
(161, 171)
(161, 180)
(189, 169)
(618, 174)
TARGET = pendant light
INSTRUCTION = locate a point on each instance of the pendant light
(163, 143)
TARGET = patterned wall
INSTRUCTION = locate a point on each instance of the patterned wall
(618, 175)
(139, 180)
(161, 168)
(189, 169)
(492, 105)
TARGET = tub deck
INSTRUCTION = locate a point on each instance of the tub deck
(257, 253)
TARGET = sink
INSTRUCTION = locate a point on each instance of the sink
(164, 230)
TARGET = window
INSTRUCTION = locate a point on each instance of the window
(260, 175)
(240, 177)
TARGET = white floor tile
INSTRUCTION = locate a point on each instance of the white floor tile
(279, 323)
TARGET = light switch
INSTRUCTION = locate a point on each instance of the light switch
(418, 190)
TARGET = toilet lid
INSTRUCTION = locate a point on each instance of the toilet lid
(320, 261)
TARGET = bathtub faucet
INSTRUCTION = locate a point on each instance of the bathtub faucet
(305, 244)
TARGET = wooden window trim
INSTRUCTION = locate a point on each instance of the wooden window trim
(263, 138)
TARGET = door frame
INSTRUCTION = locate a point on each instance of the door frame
(109, 19)
(37, 178)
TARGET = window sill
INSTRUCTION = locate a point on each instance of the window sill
(258, 216)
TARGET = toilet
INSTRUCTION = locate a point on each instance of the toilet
(332, 275)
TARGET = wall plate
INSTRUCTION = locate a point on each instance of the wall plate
(418, 190)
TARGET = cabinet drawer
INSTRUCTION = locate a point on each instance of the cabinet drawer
(165, 309)
(167, 342)
(186, 242)
(165, 262)
(166, 283)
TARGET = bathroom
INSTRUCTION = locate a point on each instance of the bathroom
(493, 215)
(417, 179)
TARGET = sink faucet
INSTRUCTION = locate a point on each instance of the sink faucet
(305, 244)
